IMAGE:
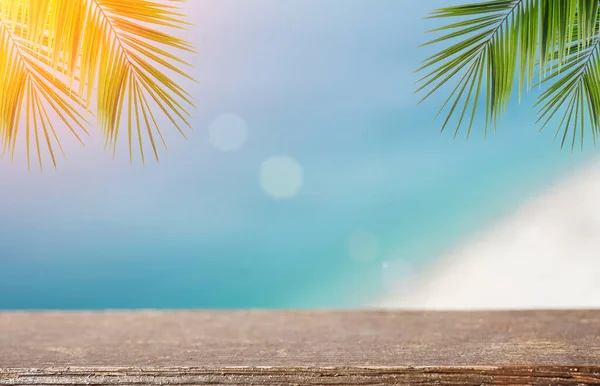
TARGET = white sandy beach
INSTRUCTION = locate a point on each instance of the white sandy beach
(546, 255)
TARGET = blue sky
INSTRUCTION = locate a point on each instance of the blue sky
(329, 83)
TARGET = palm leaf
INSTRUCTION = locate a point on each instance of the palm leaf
(118, 53)
(30, 90)
(500, 42)
(574, 93)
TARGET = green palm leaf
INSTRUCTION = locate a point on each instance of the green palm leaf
(573, 94)
(497, 43)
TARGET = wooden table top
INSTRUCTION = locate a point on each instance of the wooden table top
(300, 347)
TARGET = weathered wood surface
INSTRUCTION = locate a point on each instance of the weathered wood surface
(299, 347)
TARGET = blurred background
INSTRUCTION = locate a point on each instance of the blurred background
(311, 179)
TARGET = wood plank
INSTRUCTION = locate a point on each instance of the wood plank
(299, 347)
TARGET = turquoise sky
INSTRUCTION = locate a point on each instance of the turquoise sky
(327, 83)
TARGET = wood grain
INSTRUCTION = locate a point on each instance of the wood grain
(299, 347)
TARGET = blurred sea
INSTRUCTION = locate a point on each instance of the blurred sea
(312, 178)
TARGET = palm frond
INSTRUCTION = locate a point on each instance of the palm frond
(129, 55)
(574, 93)
(500, 42)
(29, 92)
(119, 53)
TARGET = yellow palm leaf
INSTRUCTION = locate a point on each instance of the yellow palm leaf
(28, 89)
(118, 51)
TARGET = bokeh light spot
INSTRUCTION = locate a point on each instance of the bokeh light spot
(281, 177)
(228, 132)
